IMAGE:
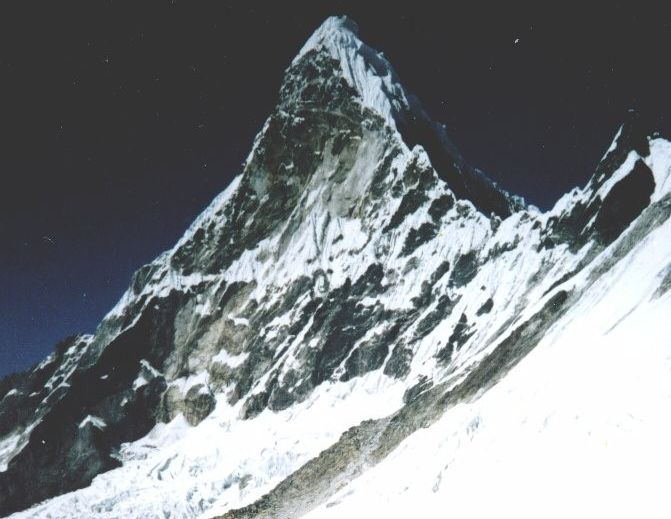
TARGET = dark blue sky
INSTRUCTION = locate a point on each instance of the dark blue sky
(120, 121)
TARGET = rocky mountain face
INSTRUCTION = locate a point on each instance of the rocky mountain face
(353, 290)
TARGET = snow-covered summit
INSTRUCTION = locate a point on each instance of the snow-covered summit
(367, 70)
(377, 87)
(334, 32)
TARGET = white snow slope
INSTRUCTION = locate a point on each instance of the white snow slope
(580, 428)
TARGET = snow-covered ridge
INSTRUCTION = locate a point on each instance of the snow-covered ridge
(659, 162)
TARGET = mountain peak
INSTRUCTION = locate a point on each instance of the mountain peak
(351, 287)
(364, 68)
(378, 88)
(334, 32)
(632, 135)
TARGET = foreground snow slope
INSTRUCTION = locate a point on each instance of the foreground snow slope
(579, 428)
(361, 323)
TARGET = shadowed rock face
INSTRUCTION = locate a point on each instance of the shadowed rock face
(355, 241)
(464, 181)
(59, 444)
(632, 136)
(600, 217)
(624, 203)
(28, 389)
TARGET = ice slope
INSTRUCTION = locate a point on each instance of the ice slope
(579, 428)
(181, 471)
